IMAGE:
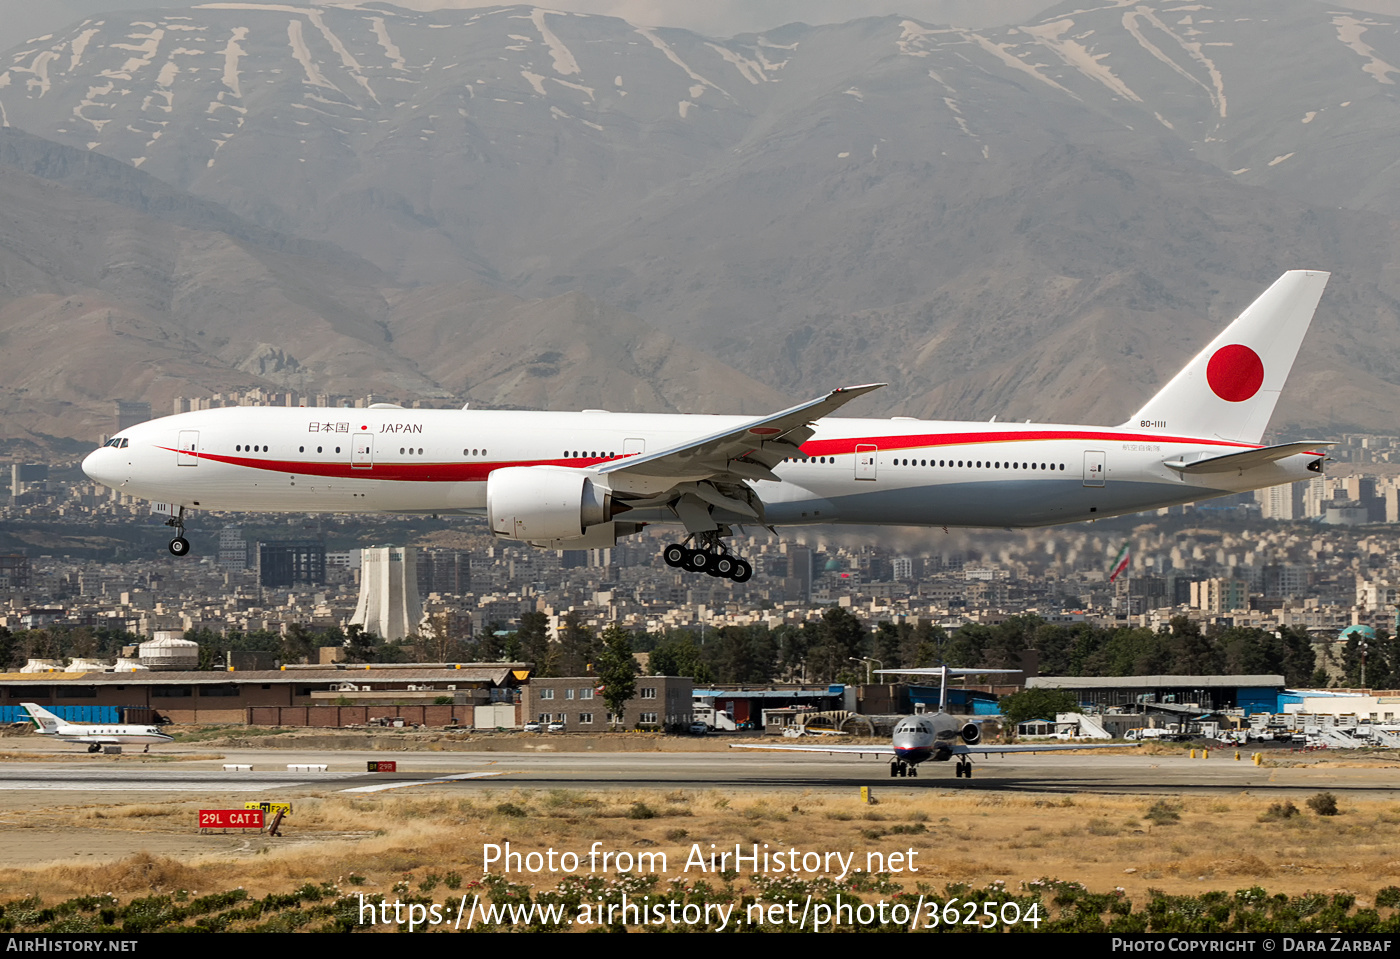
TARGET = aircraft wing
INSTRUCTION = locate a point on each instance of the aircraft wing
(1035, 748)
(748, 451)
(852, 750)
(958, 750)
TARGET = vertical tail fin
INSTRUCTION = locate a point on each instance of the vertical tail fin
(46, 721)
(1229, 390)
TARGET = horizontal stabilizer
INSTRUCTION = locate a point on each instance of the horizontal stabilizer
(1247, 459)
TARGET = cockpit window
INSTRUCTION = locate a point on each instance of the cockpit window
(125, 441)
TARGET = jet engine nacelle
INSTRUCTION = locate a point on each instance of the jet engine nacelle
(544, 503)
(971, 734)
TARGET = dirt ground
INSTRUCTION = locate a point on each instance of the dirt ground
(1187, 844)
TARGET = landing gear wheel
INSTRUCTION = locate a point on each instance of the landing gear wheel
(894, 769)
(723, 566)
(743, 572)
(179, 546)
(698, 561)
(94, 747)
(675, 555)
(914, 772)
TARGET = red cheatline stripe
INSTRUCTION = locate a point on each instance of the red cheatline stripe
(835, 447)
(478, 472)
(408, 472)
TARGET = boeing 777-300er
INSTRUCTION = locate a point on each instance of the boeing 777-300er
(95, 735)
(934, 737)
(581, 480)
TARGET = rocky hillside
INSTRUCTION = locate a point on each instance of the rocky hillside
(1041, 221)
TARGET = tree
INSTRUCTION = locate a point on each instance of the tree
(1036, 703)
(297, 644)
(840, 638)
(531, 642)
(576, 650)
(617, 669)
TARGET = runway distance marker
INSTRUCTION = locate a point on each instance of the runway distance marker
(269, 808)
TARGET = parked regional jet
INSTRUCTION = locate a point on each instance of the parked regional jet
(581, 480)
(933, 737)
(95, 735)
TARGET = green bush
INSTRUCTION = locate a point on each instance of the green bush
(1324, 804)
(1163, 813)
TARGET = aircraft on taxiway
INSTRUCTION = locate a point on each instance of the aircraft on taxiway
(95, 735)
(582, 480)
(934, 737)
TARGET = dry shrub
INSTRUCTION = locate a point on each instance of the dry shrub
(763, 811)
(1278, 811)
(141, 873)
(1248, 865)
(131, 812)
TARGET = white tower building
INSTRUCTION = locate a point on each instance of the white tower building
(389, 603)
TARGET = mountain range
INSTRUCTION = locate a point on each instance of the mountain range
(520, 207)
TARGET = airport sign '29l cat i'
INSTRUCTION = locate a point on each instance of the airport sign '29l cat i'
(581, 480)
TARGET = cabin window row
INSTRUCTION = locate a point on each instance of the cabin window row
(956, 464)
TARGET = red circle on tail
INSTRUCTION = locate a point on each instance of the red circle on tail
(1235, 373)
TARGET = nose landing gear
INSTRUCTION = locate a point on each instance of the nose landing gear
(179, 546)
(711, 558)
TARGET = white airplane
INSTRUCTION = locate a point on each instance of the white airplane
(96, 736)
(934, 737)
(581, 480)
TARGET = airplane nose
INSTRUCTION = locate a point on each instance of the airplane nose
(103, 466)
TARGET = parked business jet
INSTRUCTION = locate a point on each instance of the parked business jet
(581, 480)
(934, 737)
(96, 736)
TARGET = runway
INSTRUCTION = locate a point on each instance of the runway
(1135, 774)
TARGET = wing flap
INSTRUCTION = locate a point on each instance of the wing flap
(849, 750)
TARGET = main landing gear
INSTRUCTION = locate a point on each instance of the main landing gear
(712, 559)
(179, 546)
(901, 768)
(963, 769)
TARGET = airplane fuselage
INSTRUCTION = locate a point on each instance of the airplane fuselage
(111, 735)
(864, 471)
